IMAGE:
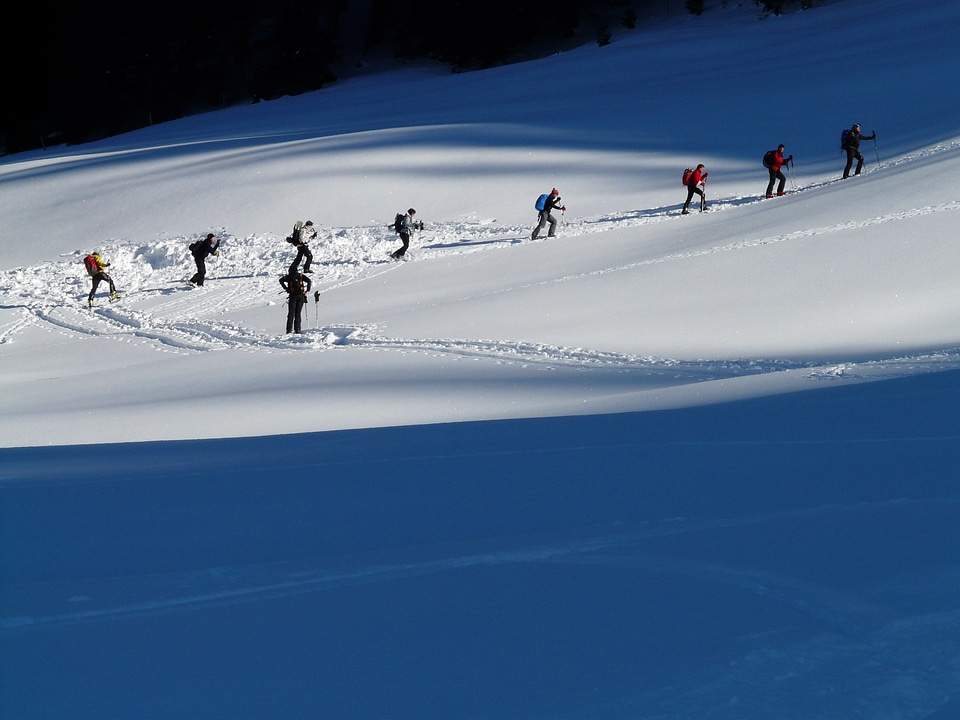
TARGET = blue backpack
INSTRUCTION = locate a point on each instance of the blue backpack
(541, 201)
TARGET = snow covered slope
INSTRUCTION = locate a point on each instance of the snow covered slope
(632, 307)
(643, 520)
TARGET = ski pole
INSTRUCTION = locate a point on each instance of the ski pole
(875, 148)
(316, 308)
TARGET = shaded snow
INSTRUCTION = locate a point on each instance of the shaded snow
(658, 466)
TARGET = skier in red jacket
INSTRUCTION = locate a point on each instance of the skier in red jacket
(697, 178)
(777, 161)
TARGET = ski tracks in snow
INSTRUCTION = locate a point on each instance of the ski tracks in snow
(159, 307)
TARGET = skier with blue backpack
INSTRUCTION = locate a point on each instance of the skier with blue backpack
(545, 204)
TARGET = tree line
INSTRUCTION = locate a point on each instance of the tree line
(81, 72)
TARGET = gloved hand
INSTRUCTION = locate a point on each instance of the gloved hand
(564, 208)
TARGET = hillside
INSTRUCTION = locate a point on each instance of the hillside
(632, 307)
(658, 466)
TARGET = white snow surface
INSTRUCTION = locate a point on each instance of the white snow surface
(631, 307)
(658, 466)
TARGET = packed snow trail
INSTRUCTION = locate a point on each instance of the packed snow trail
(159, 307)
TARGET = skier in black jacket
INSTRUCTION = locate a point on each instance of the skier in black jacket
(853, 150)
(297, 286)
(208, 246)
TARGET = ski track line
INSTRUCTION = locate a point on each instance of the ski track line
(906, 668)
(174, 324)
(692, 254)
(254, 583)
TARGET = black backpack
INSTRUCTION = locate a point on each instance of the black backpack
(844, 138)
(768, 158)
(398, 222)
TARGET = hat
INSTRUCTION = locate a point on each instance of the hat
(309, 222)
(411, 211)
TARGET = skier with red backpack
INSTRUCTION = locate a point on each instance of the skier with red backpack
(773, 160)
(693, 179)
(95, 269)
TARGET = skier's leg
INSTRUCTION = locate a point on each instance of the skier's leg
(290, 311)
(93, 290)
(541, 223)
(297, 327)
(773, 179)
(553, 225)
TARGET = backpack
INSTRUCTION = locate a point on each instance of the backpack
(768, 158)
(295, 284)
(686, 176)
(90, 263)
(398, 223)
(541, 202)
(295, 237)
(844, 138)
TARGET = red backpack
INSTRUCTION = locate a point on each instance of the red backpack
(90, 263)
(686, 176)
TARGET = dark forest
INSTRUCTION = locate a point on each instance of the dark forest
(93, 70)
